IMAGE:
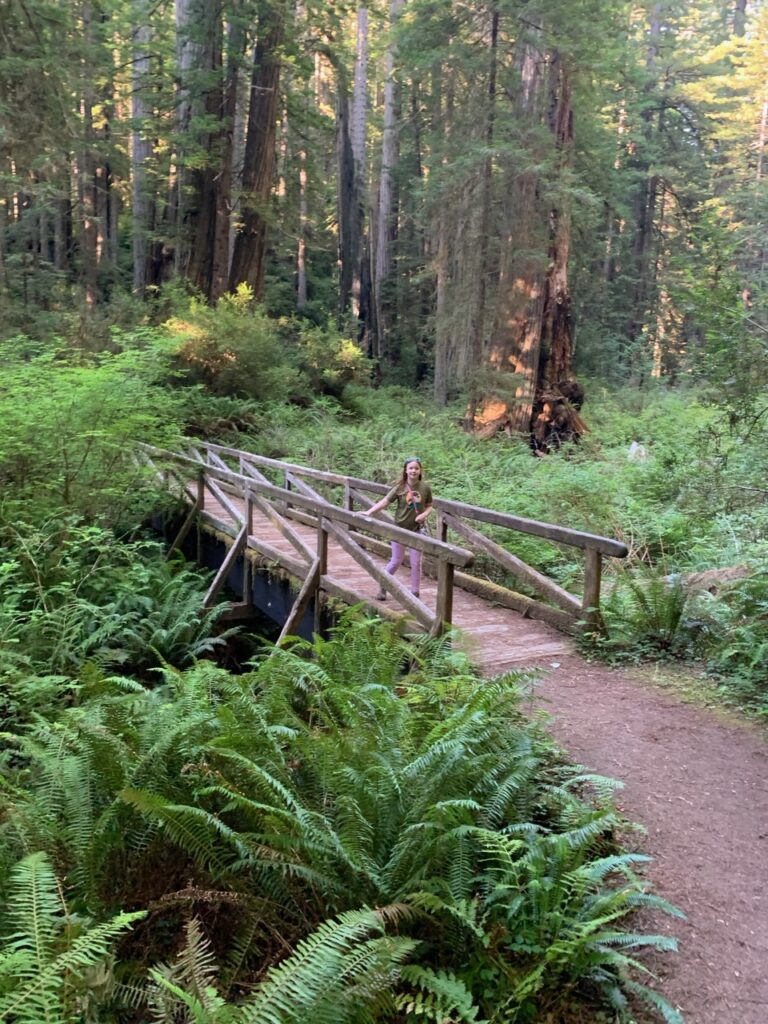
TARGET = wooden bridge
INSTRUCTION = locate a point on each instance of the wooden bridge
(302, 522)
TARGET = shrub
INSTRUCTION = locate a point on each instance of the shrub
(234, 349)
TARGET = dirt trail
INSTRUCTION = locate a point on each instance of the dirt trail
(698, 782)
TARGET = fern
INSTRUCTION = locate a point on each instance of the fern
(45, 957)
(437, 996)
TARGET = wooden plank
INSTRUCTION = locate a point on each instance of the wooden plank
(558, 534)
(529, 607)
(444, 604)
(187, 491)
(591, 602)
(225, 567)
(186, 527)
(414, 605)
(236, 513)
(543, 584)
(279, 522)
(300, 605)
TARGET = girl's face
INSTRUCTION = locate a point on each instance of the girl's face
(413, 471)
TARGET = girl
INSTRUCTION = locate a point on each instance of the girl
(414, 503)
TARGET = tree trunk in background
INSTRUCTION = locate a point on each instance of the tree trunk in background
(204, 176)
(224, 178)
(477, 336)
(188, 57)
(357, 138)
(141, 150)
(86, 173)
(739, 17)
(516, 340)
(646, 197)
(382, 264)
(557, 330)
(349, 234)
(248, 261)
(442, 86)
(350, 142)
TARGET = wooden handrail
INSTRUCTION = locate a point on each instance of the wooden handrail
(549, 531)
(458, 556)
(306, 505)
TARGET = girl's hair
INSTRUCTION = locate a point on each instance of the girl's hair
(404, 476)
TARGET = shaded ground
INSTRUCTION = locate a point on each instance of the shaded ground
(697, 780)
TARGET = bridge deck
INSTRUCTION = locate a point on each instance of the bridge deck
(495, 638)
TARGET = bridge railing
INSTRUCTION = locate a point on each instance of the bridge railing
(203, 472)
(551, 602)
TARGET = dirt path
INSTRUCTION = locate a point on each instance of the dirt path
(698, 782)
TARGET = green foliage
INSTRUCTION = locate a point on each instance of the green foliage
(234, 349)
(74, 594)
(330, 361)
(307, 791)
(68, 433)
(644, 613)
(736, 640)
(48, 959)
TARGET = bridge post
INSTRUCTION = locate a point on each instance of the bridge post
(200, 509)
(444, 603)
(349, 500)
(322, 561)
(247, 569)
(590, 605)
(441, 532)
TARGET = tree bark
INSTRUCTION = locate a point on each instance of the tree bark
(739, 17)
(516, 340)
(224, 180)
(382, 263)
(141, 150)
(249, 257)
(351, 163)
(477, 337)
(557, 331)
(443, 100)
(86, 173)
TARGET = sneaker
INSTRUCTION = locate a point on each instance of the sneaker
(382, 595)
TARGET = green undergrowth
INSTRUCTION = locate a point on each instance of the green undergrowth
(370, 833)
(74, 403)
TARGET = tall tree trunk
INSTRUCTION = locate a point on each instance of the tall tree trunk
(224, 178)
(557, 332)
(249, 258)
(382, 263)
(739, 17)
(349, 235)
(86, 171)
(204, 185)
(516, 340)
(646, 197)
(350, 153)
(443, 99)
(189, 55)
(477, 336)
(141, 149)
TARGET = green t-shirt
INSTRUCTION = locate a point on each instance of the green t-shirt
(411, 502)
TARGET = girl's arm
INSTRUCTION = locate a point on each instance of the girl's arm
(386, 500)
(375, 508)
(422, 516)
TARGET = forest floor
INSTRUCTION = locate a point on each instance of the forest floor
(696, 779)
